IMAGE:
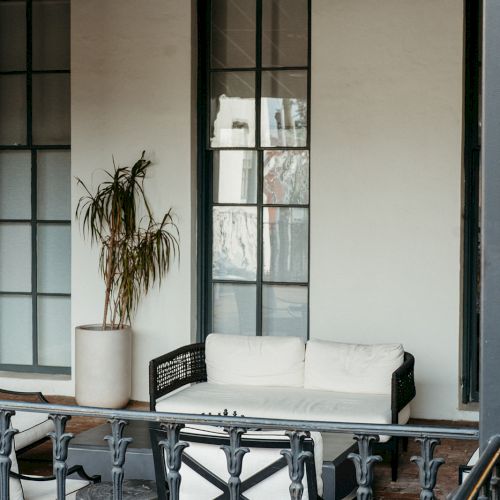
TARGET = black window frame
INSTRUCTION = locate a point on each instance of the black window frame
(471, 203)
(33, 148)
(205, 171)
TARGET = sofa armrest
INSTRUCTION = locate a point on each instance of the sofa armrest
(171, 371)
(403, 386)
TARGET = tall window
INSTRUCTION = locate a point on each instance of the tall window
(472, 202)
(254, 96)
(35, 185)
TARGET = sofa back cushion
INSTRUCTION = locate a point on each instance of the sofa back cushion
(354, 368)
(242, 360)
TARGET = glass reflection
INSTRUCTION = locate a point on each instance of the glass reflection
(234, 243)
(233, 33)
(15, 185)
(12, 36)
(54, 261)
(54, 327)
(284, 33)
(15, 316)
(12, 109)
(284, 109)
(234, 309)
(285, 235)
(286, 177)
(51, 35)
(15, 257)
(51, 109)
(54, 185)
(233, 109)
(284, 310)
(235, 176)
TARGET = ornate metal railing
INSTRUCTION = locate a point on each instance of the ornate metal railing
(366, 435)
(483, 481)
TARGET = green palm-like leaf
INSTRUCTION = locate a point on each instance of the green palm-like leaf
(135, 253)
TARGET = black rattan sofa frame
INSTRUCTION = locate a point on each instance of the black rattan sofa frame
(186, 365)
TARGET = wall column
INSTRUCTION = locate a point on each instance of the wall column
(490, 259)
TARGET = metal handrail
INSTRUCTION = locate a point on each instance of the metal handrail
(398, 430)
(480, 472)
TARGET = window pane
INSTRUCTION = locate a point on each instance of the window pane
(284, 310)
(12, 36)
(235, 176)
(234, 243)
(15, 330)
(233, 109)
(54, 261)
(233, 33)
(284, 109)
(285, 235)
(54, 331)
(51, 41)
(15, 257)
(13, 109)
(234, 309)
(54, 185)
(51, 109)
(284, 33)
(15, 185)
(286, 177)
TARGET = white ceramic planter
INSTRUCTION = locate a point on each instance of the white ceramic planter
(103, 366)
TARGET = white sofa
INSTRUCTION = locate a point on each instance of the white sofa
(281, 377)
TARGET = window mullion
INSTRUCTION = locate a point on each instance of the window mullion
(260, 162)
(34, 259)
(260, 180)
(29, 135)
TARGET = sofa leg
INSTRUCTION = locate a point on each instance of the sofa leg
(395, 459)
(405, 443)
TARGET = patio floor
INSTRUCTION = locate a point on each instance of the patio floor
(454, 452)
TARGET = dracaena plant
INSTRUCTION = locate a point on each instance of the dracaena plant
(135, 249)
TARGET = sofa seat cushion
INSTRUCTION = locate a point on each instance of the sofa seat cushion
(47, 490)
(352, 368)
(256, 361)
(31, 426)
(282, 402)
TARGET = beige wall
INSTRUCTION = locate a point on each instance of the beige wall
(386, 183)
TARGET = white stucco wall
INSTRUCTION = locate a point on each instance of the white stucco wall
(386, 183)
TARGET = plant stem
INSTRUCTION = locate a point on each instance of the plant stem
(109, 272)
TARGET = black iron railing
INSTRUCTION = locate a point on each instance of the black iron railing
(483, 481)
(366, 435)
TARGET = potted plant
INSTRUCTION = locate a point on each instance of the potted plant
(135, 253)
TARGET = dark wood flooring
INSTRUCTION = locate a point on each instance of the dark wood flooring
(454, 452)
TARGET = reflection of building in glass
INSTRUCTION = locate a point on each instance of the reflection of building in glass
(286, 177)
(285, 241)
(235, 243)
(234, 124)
(235, 176)
(283, 122)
